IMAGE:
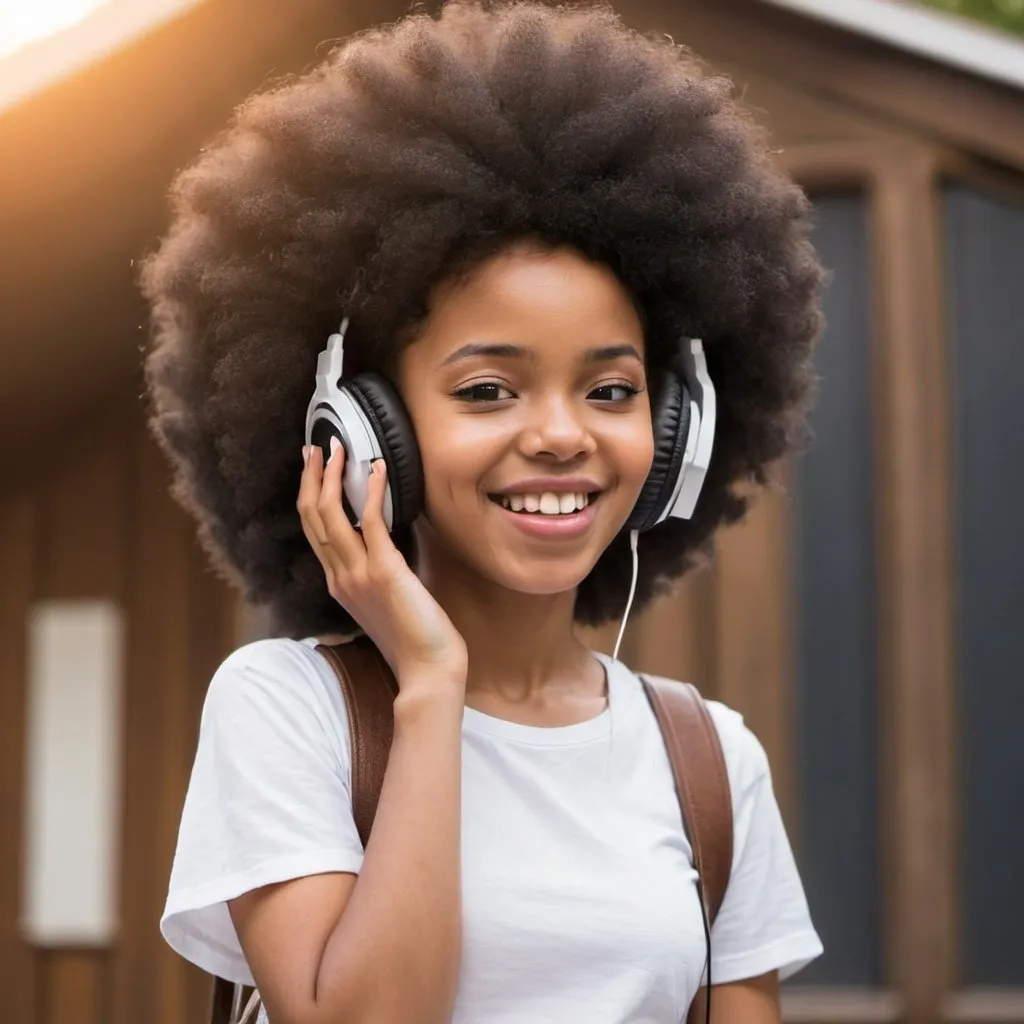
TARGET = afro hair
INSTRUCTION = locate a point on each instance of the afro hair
(411, 153)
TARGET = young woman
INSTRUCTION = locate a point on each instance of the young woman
(521, 211)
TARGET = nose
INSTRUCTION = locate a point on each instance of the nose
(558, 430)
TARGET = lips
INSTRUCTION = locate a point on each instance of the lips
(562, 526)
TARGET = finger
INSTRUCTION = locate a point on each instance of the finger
(309, 496)
(339, 534)
(375, 532)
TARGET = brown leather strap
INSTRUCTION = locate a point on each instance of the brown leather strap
(370, 688)
(702, 782)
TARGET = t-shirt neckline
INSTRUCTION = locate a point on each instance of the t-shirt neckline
(595, 728)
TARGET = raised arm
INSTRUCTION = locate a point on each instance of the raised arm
(385, 946)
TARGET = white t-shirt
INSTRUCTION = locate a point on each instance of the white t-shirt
(578, 888)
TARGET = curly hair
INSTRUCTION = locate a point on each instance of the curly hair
(414, 151)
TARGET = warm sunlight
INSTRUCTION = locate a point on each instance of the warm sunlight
(23, 21)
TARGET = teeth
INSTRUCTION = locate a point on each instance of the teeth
(548, 503)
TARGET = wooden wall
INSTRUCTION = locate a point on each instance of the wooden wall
(97, 523)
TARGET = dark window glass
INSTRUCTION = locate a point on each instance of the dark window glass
(836, 656)
(985, 271)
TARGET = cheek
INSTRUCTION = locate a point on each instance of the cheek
(643, 456)
(632, 452)
(453, 463)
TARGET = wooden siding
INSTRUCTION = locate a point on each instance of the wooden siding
(101, 525)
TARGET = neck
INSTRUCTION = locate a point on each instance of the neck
(519, 644)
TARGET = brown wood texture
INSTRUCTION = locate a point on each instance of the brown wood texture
(674, 636)
(916, 706)
(17, 963)
(151, 982)
(984, 1006)
(79, 555)
(753, 633)
(840, 1006)
(74, 986)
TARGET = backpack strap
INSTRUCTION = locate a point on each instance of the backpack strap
(702, 782)
(370, 689)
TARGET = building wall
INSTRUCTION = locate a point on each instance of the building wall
(97, 523)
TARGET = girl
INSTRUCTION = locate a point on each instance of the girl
(523, 213)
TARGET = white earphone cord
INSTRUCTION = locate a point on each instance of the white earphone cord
(634, 537)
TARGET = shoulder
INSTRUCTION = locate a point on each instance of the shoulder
(745, 758)
(280, 681)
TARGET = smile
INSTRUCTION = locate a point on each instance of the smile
(547, 503)
(548, 515)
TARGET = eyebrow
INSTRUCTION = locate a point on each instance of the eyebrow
(604, 354)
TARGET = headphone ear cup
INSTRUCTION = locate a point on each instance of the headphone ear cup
(670, 419)
(385, 412)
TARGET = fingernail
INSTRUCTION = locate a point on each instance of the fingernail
(305, 454)
(335, 445)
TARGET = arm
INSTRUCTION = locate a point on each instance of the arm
(385, 946)
(751, 1001)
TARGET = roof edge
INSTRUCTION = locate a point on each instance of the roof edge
(941, 37)
(111, 27)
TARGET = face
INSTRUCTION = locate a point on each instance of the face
(528, 395)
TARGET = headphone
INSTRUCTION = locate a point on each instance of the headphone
(367, 416)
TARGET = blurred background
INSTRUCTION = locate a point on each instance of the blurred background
(866, 618)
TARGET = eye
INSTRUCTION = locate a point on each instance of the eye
(483, 391)
(619, 392)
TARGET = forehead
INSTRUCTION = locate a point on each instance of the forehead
(555, 302)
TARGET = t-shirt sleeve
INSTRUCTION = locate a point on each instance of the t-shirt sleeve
(764, 923)
(268, 799)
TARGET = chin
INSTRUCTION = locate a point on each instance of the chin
(539, 577)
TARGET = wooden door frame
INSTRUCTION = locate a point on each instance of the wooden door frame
(911, 450)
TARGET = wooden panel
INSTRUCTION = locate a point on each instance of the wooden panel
(840, 1006)
(675, 635)
(16, 585)
(74, 986)
(985, 1006)
(81, 525)
(914, 587)
(753, 632)
(149, 980)
(78, 555)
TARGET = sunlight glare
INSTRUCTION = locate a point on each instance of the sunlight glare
(24, 21)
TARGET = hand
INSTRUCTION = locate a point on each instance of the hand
(368, 576)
